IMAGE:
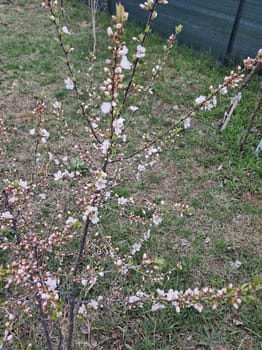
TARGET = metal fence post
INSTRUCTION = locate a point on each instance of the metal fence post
(233, 32)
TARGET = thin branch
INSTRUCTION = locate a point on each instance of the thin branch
(71, 72)
(74, 285)
(231, 108)
(151, 82)
(60, 336)
(112, 108)
(145, 34)
(93, 6)
(155, 140)
(168, 130)
(251, 121)
(44, 324)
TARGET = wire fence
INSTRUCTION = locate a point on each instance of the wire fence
(228, 29)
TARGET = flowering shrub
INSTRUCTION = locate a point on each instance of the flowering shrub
(59, 257)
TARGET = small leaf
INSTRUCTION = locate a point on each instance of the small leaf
(179, 28)
(147, 29)
(121, 14)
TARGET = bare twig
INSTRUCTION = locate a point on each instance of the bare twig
(155, 140)
(71, 72)
(72, 300)
(60, 336)
(234, 102)
(93, 5)
(251, 121)
(145, 34)
(44, 324)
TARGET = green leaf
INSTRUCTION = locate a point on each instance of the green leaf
(178, 29)
(147, 29)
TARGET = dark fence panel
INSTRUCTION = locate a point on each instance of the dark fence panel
(249, 34)
(207, 24)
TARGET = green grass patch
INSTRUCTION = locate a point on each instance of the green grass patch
(202, 167)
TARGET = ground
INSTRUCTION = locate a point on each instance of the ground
(201, 168)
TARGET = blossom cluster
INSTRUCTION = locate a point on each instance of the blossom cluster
(53, 222)
(196, 298)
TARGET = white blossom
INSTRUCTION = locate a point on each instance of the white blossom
(123, 51)
(118, 262)
(136, 248)
(198, 307)
(141, 167)
(160, 292)
(118, 70)
(118, 124)
(100, 183)
(157, 219)
(151, 150)
(106, 107)
(23, 184)
(105, 146)
(82, 310)
(92, 213)
(235, 264)
(143, 7)
(45, 296)
(44, 135)
(147, 235)
(57, 105)
(51, 283)
(177, 307)
(200, 99)
(110, 32)
(125, 63)
(133, 299)
(187, 123)
(119, 25)
(133, 108)
(157, 306)
(122, 200)
(69, 84)
(84, 282)
(6, 215)
(71, 220)
(172, 295)
(58, 175)
(94, 218)
(65, 30)
(140, 51)
(222, 89)
(206, 103)
(93, 304)
(211, 103)
(12, 199)
(9, 337)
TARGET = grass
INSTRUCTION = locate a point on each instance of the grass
(202, 168)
